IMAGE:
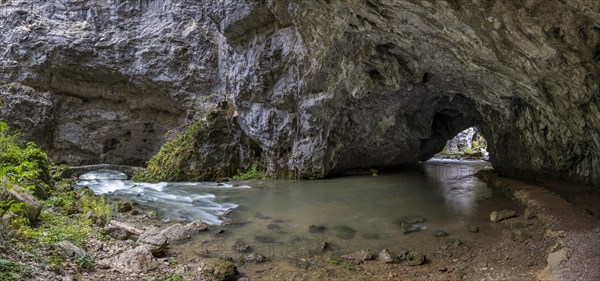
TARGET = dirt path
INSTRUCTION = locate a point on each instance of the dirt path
(576, 253)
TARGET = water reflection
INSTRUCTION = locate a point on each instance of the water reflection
(460, 189)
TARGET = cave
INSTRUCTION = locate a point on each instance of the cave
(209, 91)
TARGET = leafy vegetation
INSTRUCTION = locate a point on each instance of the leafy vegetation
(70, 215)
(174, 277)
(253, 173)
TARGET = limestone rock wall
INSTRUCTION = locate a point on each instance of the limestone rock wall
(320, 86)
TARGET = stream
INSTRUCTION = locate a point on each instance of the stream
(351, 213)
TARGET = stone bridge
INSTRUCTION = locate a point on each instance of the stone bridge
(80, 170)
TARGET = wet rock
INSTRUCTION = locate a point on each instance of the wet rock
(473, 229)
(255, 258)
(316, 229)
(520, 234)
(360, 256)
(273, 226)
(497, 216)
(242, 246)
(345, 232)
(415, 258)
(451, 244)
(325, 246)
(440, 234)
(530, 212)
(154, 239)
(139, 259)
(387, 256)
(179, 232)
(123, 207)
(217, 270)
(263, 239)
(69, 250)
(408, 227)
(116, 232)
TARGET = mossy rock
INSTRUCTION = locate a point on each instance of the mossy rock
(218, 270)
(207, 150)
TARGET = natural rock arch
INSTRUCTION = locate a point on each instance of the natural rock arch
(316, 87)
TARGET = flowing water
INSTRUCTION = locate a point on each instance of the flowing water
(348, 213)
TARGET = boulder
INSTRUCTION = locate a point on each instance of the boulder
(31, 207)
(116, 232)
(415, 258)
(154, 238)
(178, 232)
(387, 256)
(69, 250)
(501, 215)
(360, 256)
(217, 270)
(139, 260)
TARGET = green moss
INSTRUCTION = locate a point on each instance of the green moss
(181, 158)
(171, 163)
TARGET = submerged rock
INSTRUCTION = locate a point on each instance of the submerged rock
(473, 229)
(440, 234)
(497, 216)
(255, 258)
(242, 246)
(345, 232)
(316, 229)
(263, 239)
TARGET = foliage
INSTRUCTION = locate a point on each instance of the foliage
(100, 207)
(174, 277)
(334, 261)
(26, 168)
(22, 165)
(85, 262)
(8, 270)
(253, 173)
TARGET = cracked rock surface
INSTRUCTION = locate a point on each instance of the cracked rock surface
(318, 87)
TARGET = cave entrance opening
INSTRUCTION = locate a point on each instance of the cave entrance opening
(469, 144)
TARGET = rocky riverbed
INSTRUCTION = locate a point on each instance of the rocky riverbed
(524, 241)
